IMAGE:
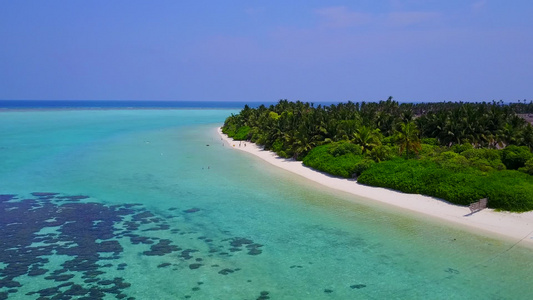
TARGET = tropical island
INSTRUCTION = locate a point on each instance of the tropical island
(455, 151)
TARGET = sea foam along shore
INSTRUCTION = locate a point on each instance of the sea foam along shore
(516, 227)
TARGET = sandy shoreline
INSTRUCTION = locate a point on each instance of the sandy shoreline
(511, 226)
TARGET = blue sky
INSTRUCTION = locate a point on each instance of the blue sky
(366, 50)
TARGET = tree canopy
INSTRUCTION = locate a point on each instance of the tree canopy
(463, 143)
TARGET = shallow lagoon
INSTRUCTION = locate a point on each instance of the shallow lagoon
(145, 209)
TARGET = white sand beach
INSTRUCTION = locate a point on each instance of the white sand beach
(517, 227)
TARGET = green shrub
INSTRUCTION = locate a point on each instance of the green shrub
(490, 154)
(430, 141)
(283, 154)
(242, 133)
(510, 190)
(321, 159)
(344, 147)
(381, 153)
(460, 188)
(514, 157)
(484, 159)
(362, 166)
(277, 146)
(506, 190)
(462, 147)
(452, 161)
(229, 130)
(428, 150)
(528, 167)
(482, 164)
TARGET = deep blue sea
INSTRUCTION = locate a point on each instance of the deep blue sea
(145, 202)
(110, 104)
(115, 104)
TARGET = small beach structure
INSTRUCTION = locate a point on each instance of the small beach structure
(479, 205)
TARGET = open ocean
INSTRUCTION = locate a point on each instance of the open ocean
(145, 202)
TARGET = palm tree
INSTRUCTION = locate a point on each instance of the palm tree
(526, 137)
(508, 135)
(367, 137)
(408, 138)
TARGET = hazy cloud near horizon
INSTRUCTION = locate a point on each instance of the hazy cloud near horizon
(255, 50)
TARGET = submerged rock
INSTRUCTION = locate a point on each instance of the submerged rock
(163, 265)
(358, 286)
(225, 271)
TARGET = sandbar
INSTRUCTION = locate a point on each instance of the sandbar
(515, 227)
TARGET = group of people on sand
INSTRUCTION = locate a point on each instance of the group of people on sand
(233, 144)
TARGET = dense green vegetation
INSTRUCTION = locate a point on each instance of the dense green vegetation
(459, 152)
(339, 159)
(508, 189)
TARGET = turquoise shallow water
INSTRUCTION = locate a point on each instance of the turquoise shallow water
(210, 222)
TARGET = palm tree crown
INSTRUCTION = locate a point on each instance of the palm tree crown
(407, 138)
